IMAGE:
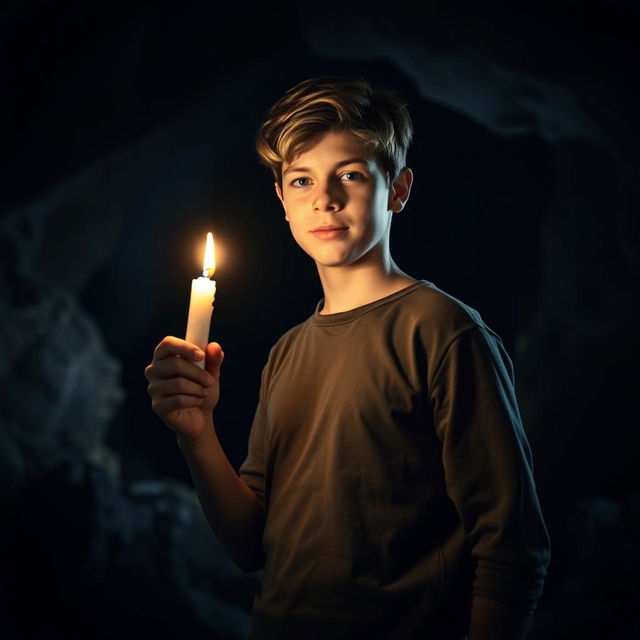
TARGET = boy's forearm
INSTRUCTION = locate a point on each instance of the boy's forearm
(232, 509)
(493, 620)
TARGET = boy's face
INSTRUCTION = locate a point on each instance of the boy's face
(338, 202)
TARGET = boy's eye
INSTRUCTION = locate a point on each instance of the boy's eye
(350, 176)
(300, 182)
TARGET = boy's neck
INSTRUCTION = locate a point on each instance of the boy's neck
(348, 287)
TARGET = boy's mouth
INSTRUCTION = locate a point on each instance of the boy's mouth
(328, 231)
(329, 227)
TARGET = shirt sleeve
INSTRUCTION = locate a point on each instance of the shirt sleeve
(488, 468)
(252, 470)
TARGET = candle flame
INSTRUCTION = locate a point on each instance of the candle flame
(209, 265)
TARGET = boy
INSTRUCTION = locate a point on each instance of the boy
(388, 489)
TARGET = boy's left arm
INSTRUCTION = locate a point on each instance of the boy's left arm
(489, 478)
(493, 620)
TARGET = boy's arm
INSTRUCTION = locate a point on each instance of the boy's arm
(493, 620)
(489, 478)
(234, 512)
(184, 397)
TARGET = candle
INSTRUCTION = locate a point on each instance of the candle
(203, 292)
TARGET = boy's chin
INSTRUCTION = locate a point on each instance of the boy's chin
(336, 258)
(333, 264)
(329, 257)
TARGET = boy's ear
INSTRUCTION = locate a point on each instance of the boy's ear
(400, 190)
(279, 193)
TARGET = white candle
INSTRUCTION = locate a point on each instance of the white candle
(203, 293)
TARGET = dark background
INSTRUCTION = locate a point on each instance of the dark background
(129, 133)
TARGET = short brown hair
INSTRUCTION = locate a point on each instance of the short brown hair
(335, 103)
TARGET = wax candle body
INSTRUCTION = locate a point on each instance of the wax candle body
(203, 292)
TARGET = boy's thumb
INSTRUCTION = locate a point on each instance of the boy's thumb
(214, 358)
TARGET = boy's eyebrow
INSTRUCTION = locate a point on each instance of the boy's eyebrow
(342, 163)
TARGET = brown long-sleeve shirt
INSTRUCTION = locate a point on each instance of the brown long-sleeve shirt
(388, 449)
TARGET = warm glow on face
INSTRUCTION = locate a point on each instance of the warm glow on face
(338, 183)
(209, 265)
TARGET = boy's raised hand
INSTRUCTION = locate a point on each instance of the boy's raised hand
(183, 395)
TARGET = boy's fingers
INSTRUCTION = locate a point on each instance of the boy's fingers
(172, 346)
(176, 368)
(176, 386)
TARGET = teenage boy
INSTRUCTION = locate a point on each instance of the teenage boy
(388, 488)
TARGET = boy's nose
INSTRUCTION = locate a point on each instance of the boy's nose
(325, 204)
(327, 198)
